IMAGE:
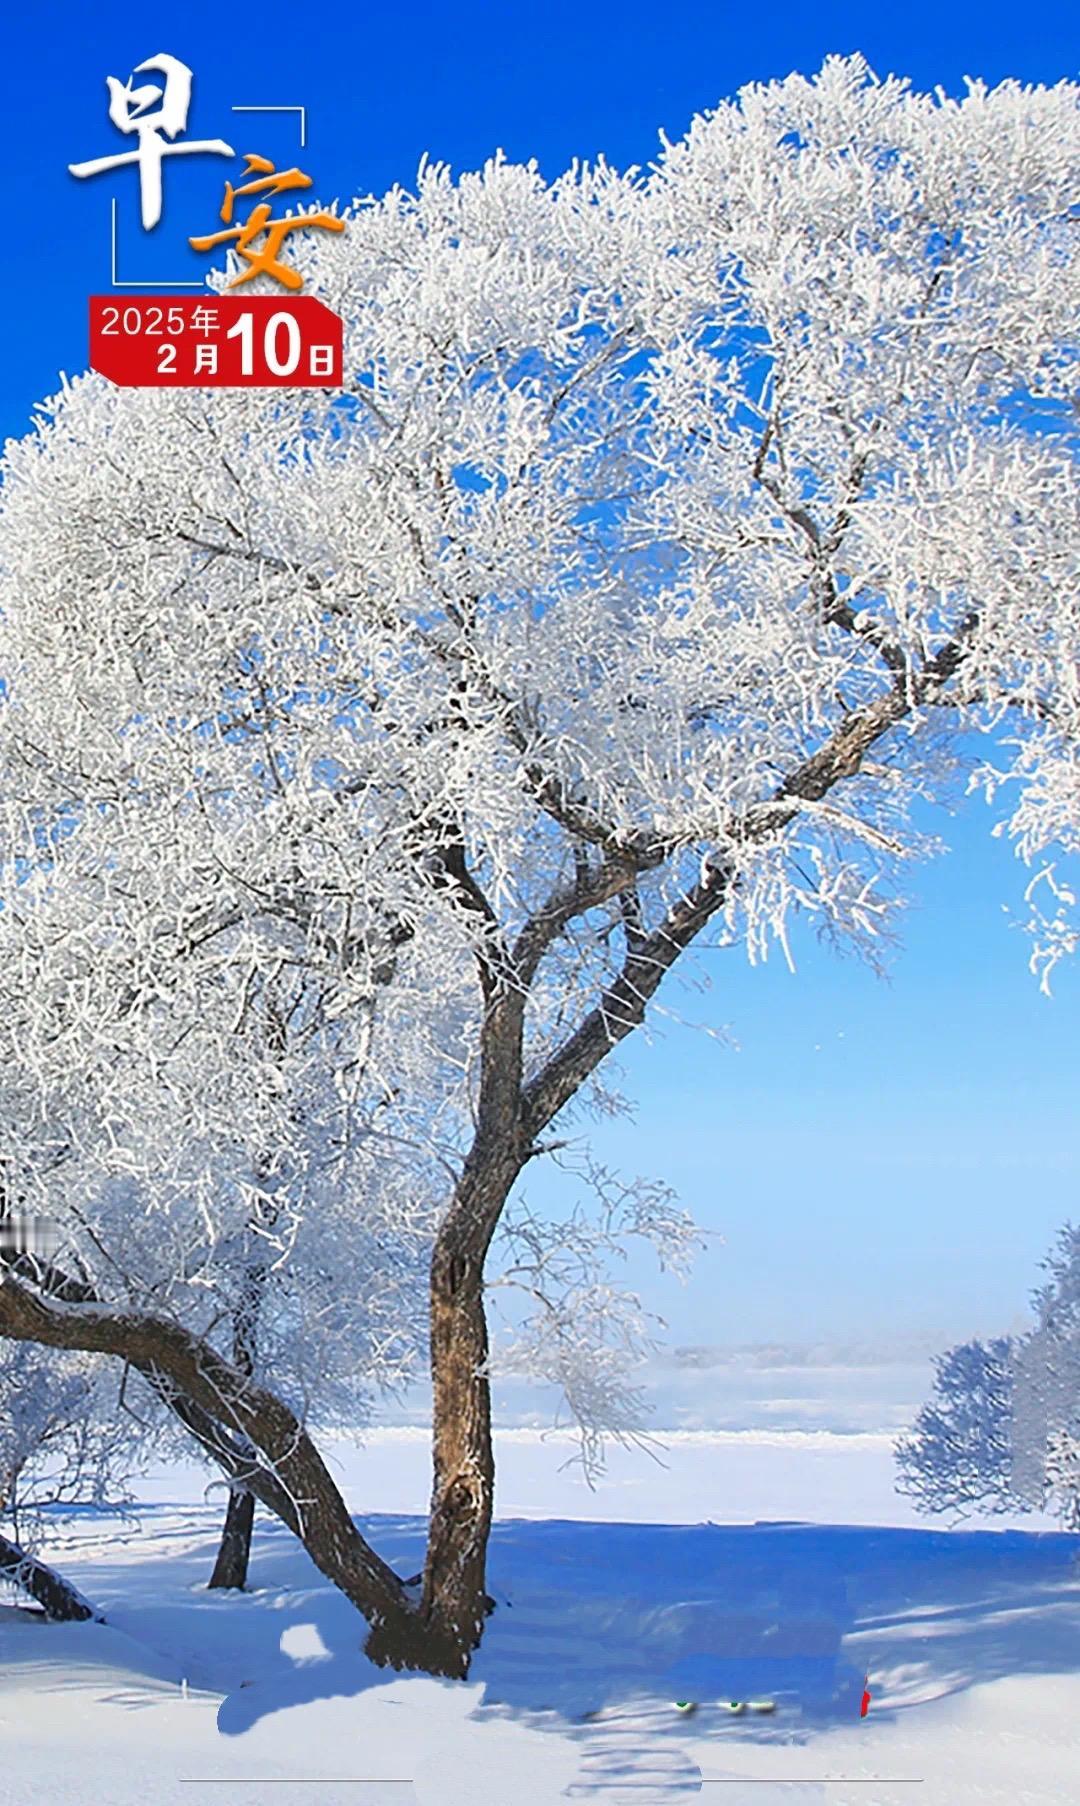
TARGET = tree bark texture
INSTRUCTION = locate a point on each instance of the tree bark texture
(58, 1598)
(234, 1549)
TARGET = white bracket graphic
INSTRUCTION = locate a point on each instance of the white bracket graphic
(135, 282)
(301, 110)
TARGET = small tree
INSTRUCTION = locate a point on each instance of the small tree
(1002, 1432)
(1046, 1364)
(957, 1456)
(667, 544)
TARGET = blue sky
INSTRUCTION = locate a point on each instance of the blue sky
(880, 1157)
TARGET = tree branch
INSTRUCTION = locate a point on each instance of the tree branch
(623, 1004)
(217, 1390)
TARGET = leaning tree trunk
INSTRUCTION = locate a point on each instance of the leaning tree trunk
(56, 1595)
(286, 1472)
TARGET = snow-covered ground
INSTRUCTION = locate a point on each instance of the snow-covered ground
(611, 1605)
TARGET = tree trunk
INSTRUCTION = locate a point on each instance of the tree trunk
(56, 1595)
(234, 1550)
(454, 1602)
(259, 1443)
(254, 1435)
(230, 1415)
(463, 1494)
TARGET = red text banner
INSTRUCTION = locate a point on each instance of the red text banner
(216, 342)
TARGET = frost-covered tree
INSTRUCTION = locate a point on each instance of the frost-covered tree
(283, 1251)
(1046, 1364)
(1002, 1432)
(61, 1442)
(669, 541)
(957, 1456)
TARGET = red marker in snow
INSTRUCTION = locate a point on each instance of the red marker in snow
(865, 1707)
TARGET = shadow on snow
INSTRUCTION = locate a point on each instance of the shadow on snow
(615, 1620)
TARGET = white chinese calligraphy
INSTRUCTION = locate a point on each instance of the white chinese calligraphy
(129, 110)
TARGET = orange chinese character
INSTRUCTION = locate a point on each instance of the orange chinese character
(263, 261)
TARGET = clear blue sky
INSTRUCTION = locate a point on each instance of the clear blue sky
(879, 1157)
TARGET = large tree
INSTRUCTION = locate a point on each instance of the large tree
(670, 541)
